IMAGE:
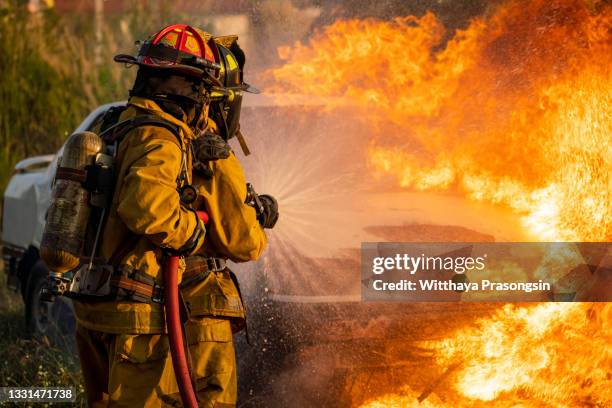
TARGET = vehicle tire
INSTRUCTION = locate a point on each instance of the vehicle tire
(54, 320)
(25, 266)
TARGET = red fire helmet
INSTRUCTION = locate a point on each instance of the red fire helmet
(179, 47)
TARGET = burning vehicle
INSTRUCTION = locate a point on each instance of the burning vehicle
(498, 131)
(399, 131)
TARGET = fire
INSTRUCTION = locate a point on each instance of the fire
(513, 110)
(551, 354)
(527, 349)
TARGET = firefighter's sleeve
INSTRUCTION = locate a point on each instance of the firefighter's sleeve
(149, 203)
(233, 229)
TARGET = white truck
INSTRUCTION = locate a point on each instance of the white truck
(26, 199)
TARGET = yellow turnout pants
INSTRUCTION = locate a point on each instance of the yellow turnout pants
(125, 370)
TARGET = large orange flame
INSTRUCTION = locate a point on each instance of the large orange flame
(550, 355)
(529, 349)
(513, 110)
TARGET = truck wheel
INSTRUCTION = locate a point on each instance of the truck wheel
(55, 320)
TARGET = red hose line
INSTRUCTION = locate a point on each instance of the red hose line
(175, 329)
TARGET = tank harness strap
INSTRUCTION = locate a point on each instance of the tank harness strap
(198, 268)
(138, 290)
(67, 173)
(135, 286)
(117, 132)
(132, 285)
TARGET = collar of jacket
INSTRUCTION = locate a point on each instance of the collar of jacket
(152, 107)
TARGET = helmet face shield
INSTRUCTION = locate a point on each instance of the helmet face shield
(231, 77)
(231, 72)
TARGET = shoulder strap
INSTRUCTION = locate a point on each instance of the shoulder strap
(117, 132)
(111, 117)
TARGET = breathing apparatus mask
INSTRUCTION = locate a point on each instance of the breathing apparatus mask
(184, 97)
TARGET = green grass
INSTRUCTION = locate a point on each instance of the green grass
(48, 83)
(32, 363)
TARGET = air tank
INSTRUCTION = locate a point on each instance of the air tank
(69, 211)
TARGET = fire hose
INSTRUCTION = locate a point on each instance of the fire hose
(175, 329)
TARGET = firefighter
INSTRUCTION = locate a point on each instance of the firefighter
(122, 343)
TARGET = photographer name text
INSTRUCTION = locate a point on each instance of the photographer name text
(459, 265)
